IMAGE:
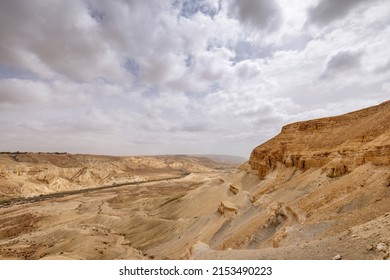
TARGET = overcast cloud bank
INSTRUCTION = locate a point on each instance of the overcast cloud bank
(161, 77)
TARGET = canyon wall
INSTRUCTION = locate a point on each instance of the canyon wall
(336, 144)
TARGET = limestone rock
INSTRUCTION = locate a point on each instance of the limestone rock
(382, 247)
(234, 189)
(199, 247)
(337, 257)
(355, 138)
(226, 208)
(370, 247)
(335, 169)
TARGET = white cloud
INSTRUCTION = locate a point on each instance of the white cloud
(207, 76)
(18, 92)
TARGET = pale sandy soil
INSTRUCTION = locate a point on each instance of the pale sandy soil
(106, 224)
(182, 218)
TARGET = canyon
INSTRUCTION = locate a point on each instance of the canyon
(320, 189)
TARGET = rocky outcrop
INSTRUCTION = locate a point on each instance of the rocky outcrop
(337, 144)
(233, 189)
(227, 208)
(335, 169)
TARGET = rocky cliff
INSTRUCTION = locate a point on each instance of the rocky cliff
(336, 144)
(319, 189)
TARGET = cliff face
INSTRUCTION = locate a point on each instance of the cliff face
(323, 189)
(336, 144)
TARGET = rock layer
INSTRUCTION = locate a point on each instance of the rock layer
(337, 144)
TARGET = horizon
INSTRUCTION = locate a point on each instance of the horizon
(139, 155)
(140, 78)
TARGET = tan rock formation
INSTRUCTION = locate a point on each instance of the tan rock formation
(234, 189)
(356, 138)
(227, 208)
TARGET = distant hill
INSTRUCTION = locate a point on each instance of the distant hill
(225, 158)
(30, 174)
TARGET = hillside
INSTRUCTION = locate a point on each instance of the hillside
(34, 174)
(318, 190)
(323, 190)
(340, 144)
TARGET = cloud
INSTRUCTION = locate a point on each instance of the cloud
(95, 40)
(191, 127)
(56, 39)
(92, 120)
(18, 92)
(384, 68)
(261, 14)
(386, 87)
(207, 76)
(342, 61)
(327, 11)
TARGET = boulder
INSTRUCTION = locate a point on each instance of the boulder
(227, 208)
(234, 189)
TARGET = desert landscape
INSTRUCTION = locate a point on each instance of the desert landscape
(320, 189)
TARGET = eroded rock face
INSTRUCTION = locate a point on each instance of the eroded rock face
(339, 144)
(227, 208)
(335, 169)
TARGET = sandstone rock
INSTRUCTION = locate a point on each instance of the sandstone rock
(337, 257)
(382, 247)
(199, 247)
(253, 198)
(234, 189)
(260, 200)
(335, 169)
(370, 247)
(279, 212)
(315, 143)
(227, 208)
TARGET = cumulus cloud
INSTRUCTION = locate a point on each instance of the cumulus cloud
(327, 11)
(60, 38)
(342, 61)
(205, 76)
(261, 14)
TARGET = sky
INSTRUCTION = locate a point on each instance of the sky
(132, 77)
